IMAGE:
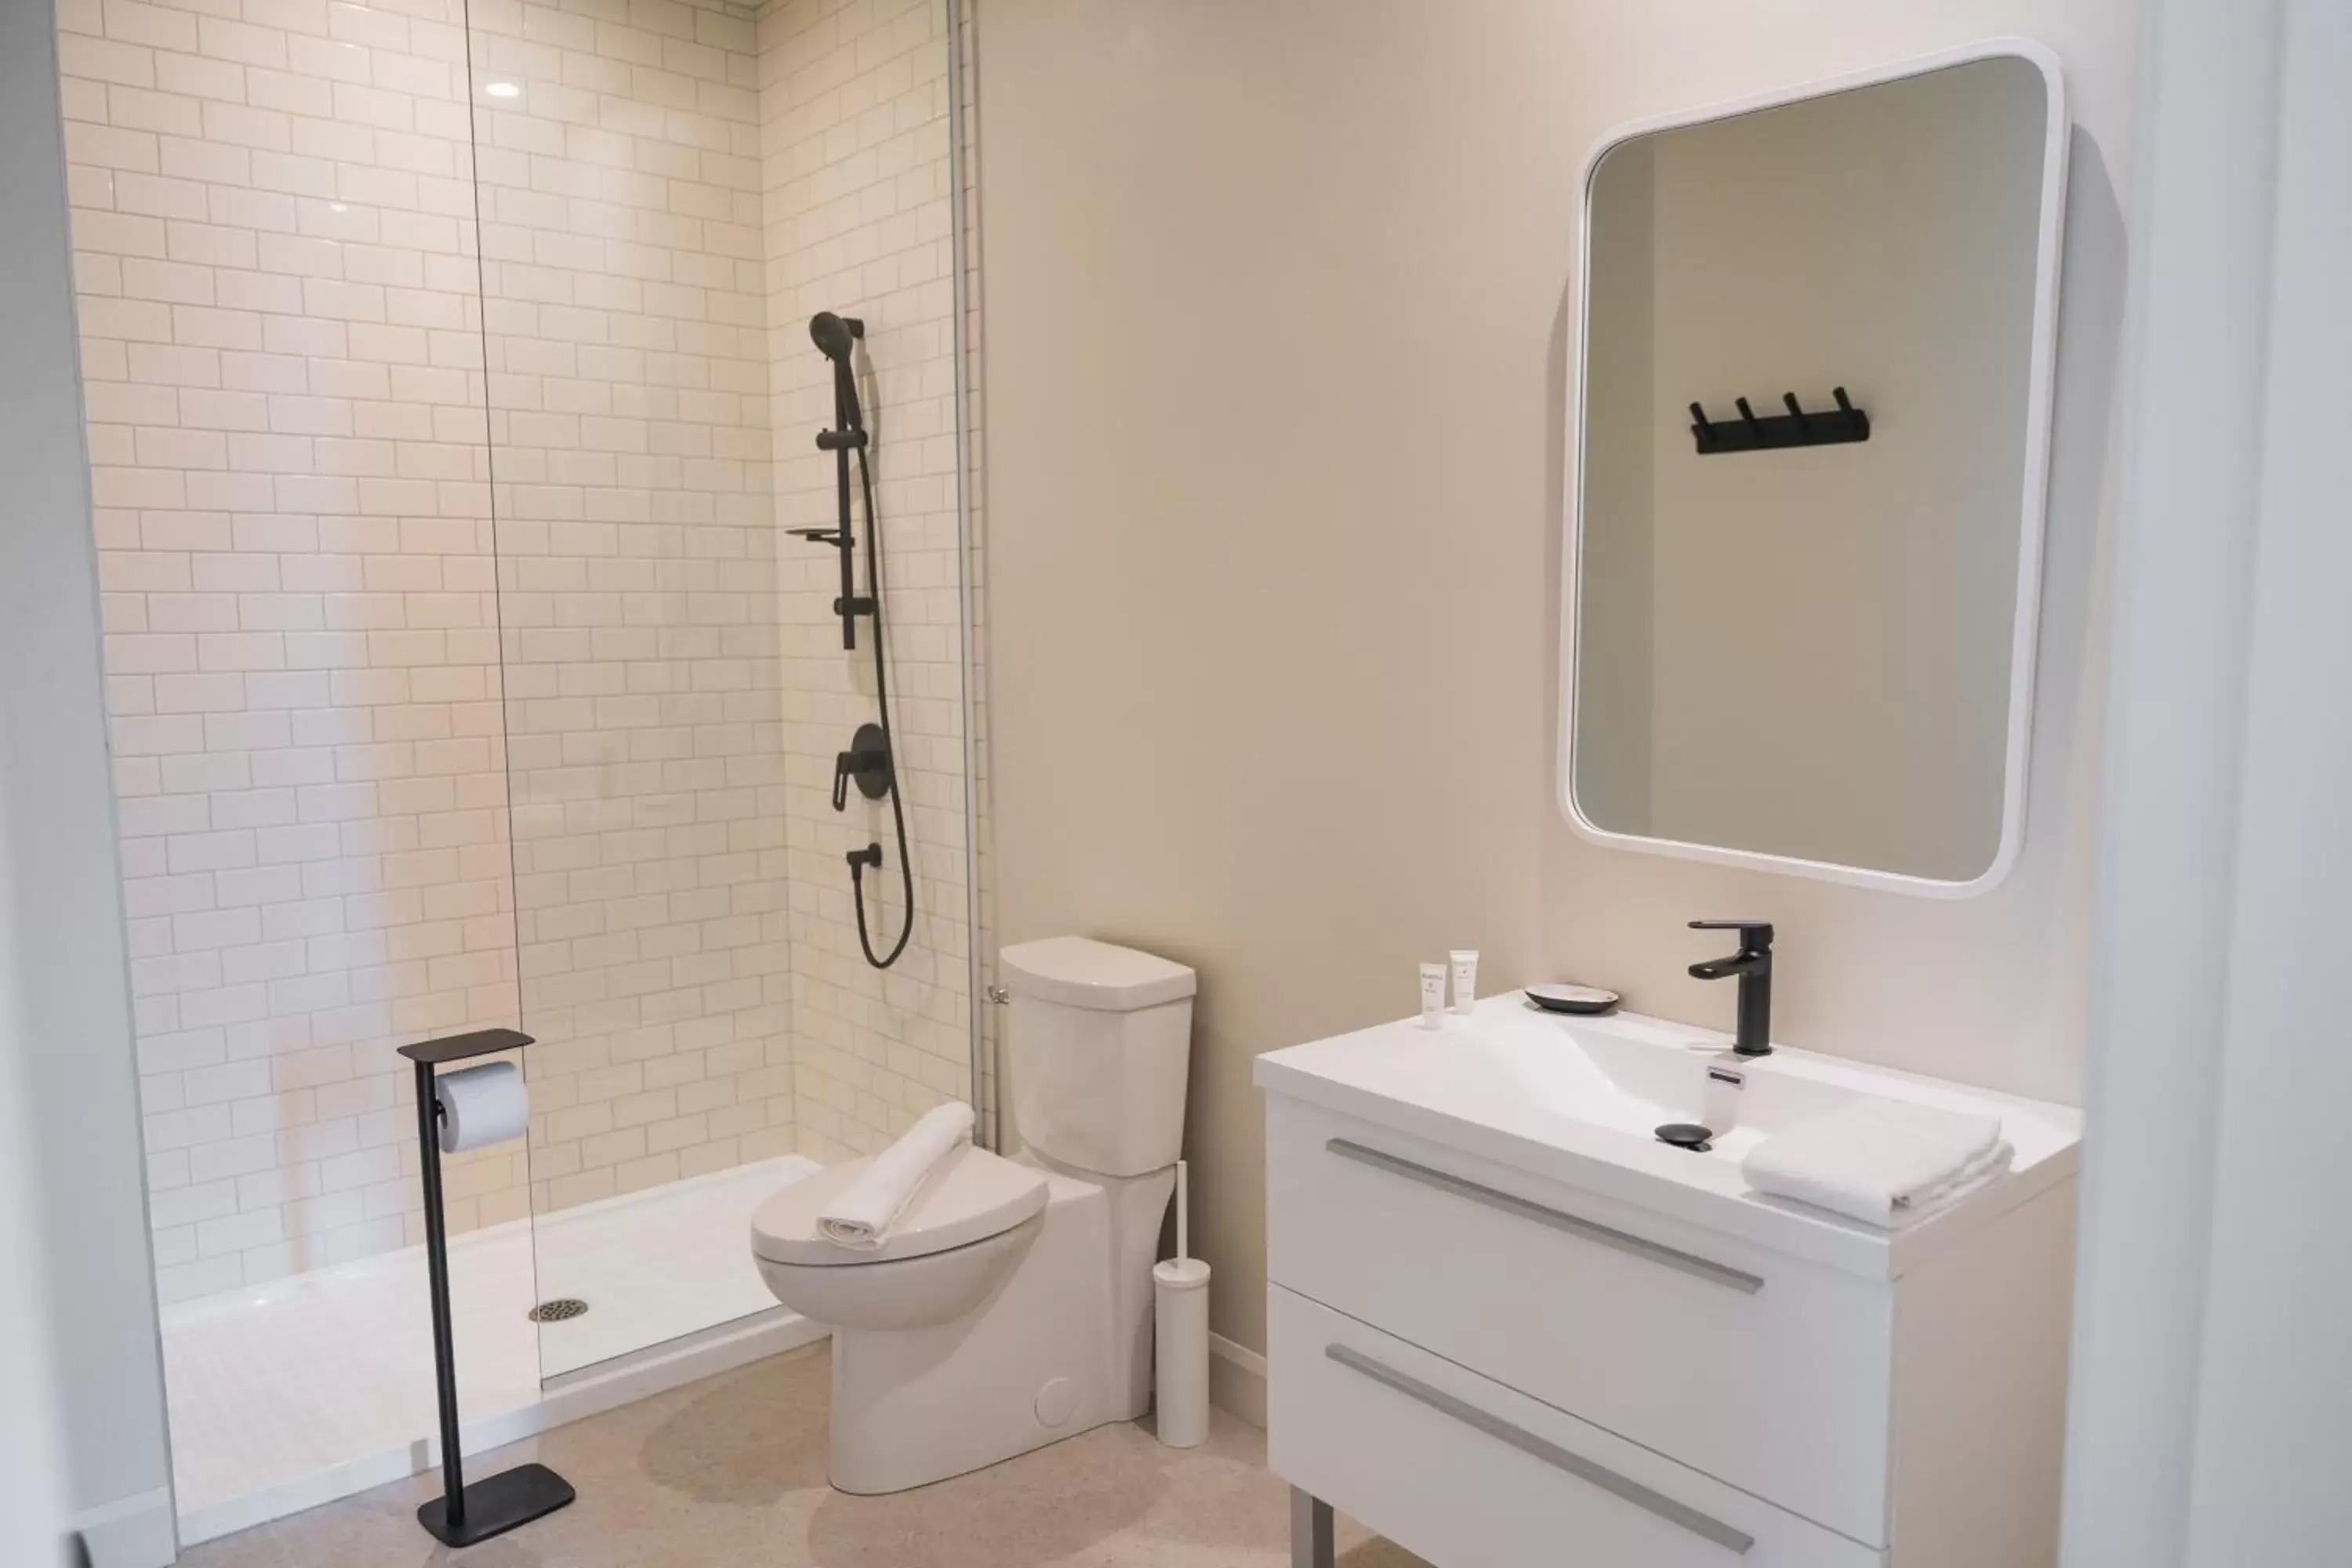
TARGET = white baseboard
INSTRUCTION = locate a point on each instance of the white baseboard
(591, 1391)
(1237, 1380)
(1242, 1356)
(130, 1533)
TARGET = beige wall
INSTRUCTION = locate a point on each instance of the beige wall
(83, 1372)
(1277, 301)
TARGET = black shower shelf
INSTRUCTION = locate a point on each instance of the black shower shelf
(1751, 432)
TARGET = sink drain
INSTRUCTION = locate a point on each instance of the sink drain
(560, 1310)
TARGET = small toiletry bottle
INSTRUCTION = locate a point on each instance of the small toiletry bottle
(1465, 977)
(1433, 995)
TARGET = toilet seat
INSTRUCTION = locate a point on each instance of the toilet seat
(969, 1197)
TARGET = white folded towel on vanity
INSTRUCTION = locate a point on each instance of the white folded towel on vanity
(1883, 1162)
(861, 1216)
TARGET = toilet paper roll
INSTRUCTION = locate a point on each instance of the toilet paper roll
(481, 1105)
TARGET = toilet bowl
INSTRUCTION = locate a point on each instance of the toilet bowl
(1009, 1306)
(963, 1232)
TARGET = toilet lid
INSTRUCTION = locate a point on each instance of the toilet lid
(969, 1197)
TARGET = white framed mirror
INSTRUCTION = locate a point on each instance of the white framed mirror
(1813, 343)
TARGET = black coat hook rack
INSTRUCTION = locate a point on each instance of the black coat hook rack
(1749, 433)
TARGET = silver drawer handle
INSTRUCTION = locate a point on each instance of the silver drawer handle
(1623, 1241)
(1677, 1513)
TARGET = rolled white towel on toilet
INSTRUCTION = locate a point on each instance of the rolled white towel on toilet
(861, 1217)
(1884, 1162)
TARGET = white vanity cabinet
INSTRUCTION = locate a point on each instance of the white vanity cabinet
(1505, 1326)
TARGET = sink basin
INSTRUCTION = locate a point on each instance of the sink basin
(1626, 1075)
(1630, 1084)
(1583, 1097)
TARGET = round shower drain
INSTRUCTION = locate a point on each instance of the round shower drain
(559, 1310)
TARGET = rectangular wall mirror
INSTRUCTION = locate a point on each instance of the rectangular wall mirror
(1813, 354)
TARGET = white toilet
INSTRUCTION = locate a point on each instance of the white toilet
(1010, 1305)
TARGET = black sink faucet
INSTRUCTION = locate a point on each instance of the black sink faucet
(1753, 965)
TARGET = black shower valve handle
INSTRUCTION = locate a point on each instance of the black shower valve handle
(847, 766)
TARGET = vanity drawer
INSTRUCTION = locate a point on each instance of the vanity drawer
(1469, 1474)
(1767, 1373)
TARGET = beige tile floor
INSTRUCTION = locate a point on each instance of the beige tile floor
(730, 1473)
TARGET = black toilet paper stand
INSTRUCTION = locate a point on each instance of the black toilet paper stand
(463, 1515)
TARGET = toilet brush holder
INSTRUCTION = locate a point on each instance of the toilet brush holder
(1180, 1288)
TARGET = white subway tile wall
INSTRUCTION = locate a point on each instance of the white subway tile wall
(273, 227)
(853, 140)
(629, 394)
(296, 447)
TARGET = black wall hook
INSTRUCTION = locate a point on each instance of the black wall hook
(1756, 433)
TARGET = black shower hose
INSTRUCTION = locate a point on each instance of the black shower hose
(872, 854)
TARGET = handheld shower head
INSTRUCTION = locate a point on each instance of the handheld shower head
(833, 335)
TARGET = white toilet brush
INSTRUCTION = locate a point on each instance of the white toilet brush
(1180, 1319)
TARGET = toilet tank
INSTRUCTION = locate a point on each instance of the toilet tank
(1100, 1039)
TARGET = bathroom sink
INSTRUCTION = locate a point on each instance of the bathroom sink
(1626, 1075)
(1583, 1097)
(1628, 1084)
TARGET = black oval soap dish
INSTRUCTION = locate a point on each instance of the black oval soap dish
(1588, 1000)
